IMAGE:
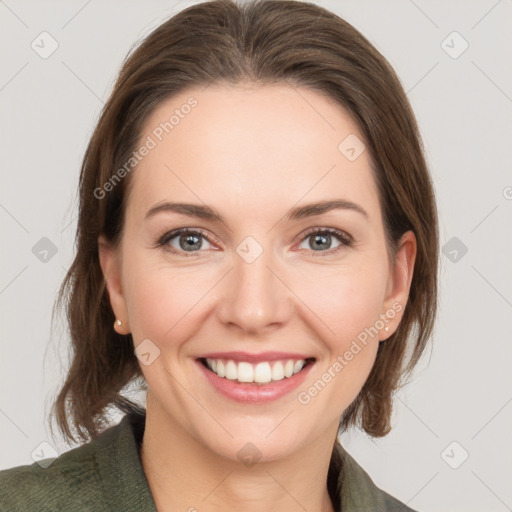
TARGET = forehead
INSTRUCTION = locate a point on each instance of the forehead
(251, 147)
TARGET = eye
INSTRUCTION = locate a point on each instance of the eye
(184, 240)
(321, 240)
(190, 241)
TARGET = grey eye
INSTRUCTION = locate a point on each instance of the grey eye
(320, 241)
(188, 242)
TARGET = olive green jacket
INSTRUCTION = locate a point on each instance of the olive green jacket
(107, 475)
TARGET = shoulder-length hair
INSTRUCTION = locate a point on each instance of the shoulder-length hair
(264, 42)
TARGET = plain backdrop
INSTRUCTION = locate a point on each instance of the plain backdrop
(451, 445)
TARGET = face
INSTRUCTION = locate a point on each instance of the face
(259, 278)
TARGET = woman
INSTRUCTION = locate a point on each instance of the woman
(257, 241)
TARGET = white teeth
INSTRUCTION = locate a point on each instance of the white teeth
(231, 370)
(260, 373)
(297, 367)
(288, 368)
(278, 371)
(245, 372)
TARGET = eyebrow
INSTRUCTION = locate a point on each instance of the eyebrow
(297, 213)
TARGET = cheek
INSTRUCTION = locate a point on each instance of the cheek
(162, 301)
(347, 300)
(349, 303)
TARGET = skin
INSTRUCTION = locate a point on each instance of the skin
(251, 153)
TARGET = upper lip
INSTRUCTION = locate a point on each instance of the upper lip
(254, 358)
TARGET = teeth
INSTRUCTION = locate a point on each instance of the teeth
(297, 367)
(260, 373)
(245, 372)
(221, 371)
(277, 371)
(288, 368)
(231, 370)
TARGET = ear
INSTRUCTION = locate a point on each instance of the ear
(399, 283)
(111, 268)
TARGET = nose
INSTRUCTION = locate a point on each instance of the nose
(256, 299)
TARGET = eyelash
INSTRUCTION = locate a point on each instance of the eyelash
(345, 239)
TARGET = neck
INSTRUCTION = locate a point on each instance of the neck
(183, 474)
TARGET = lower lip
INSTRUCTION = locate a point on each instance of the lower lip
(255, 393)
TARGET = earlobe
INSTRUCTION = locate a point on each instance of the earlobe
(110, 267)
(400, 281)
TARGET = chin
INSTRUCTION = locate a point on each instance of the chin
(258, 441)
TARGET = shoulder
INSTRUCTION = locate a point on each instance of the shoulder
(45, 485)
(70, 482)
(359, 492)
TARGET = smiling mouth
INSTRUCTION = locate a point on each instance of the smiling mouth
(265, 372)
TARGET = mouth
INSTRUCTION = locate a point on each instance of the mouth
(257, 374)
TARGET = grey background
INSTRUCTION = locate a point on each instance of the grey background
(462, 391)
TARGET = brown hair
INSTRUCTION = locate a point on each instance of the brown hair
(265, 41)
